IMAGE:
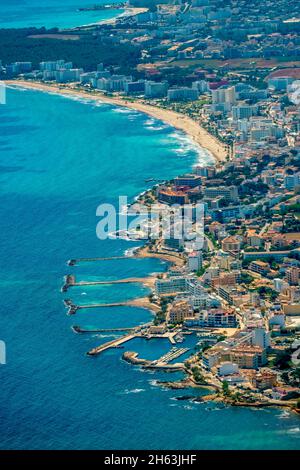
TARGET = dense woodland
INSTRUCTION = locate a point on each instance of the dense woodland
(86, 52)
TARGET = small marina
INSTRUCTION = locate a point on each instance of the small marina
(171, 356)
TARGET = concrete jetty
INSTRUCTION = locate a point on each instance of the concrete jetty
(142, 252)
(140, 302)
(112, 344)
(73, 262)
(78, 329)
(108, 305)
(70, 281)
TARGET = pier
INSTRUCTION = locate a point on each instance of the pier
(78, 329)
(141, 302)
(143, 252)
(70, 281)
(73, 262)
(112, 344)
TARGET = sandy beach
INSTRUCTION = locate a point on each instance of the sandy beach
(129, 11)
(180, 121)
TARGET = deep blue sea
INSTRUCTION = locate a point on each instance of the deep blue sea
(52, 13)
(59, 159)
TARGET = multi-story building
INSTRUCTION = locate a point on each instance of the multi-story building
(174, 243)
(248, 357)
(243, 112)
(227, 368)
(224, 95)
(229, 193)
(114, 83)
(226, 279)
(277, 255)
(260, 337)
(155, 89)
(280, 83)
(259, 267)
(18, 67)
(233, 295)
(293, 275)
(183, 94)
(195, 261)
(201, 85)
(263, 379)
(217, 318)
(172, 196)
(171, 285)
(53, 65)
(231, 244)
(203, 301)
(24, 67)
(190, 180)
(212, 357)
(132, 87)
(68, 75)
(179, 311)
(292, 181)
(253, 239)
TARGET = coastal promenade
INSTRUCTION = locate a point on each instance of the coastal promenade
(178, 120)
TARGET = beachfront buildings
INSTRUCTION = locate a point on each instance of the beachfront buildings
(155, 89)
(182, 94)
(171, 285)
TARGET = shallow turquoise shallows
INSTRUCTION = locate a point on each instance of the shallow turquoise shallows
(59, 159)
(52, 13)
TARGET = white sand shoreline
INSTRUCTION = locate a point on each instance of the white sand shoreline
(126, 13)
(191, 128)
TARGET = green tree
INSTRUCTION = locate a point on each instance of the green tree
(225, 388)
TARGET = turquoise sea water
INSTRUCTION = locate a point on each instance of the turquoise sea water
(52, 13)
(59, 159)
